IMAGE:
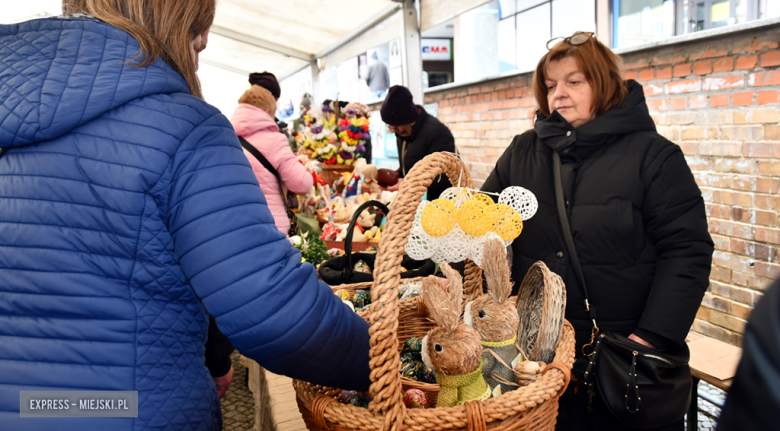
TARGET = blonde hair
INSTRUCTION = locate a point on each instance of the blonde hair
(163, 28)
(261, 98)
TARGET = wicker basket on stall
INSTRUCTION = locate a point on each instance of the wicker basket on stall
(532, 407)
(331, 173)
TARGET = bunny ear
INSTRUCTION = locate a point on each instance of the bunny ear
(443, 305)
(456, 281)
(497, 270)
(432, 294)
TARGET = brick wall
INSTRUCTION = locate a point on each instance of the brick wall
(718, 99)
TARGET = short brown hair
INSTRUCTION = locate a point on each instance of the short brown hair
(163, 28)
(261, 98)
(601, 68)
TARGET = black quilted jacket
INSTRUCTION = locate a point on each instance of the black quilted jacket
(636, 213)
(429, 136)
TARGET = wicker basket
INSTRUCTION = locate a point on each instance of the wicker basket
(532, 407)
(332, 172)
(540, 305)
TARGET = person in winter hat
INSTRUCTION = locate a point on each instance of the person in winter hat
(129, 215)
(417, 135)
(636, 214)
(268, 81)
(253, 120)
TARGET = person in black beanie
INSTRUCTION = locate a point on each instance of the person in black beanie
(417, 134)
(268, 81)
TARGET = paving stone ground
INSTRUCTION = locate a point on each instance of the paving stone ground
(238, 404)
(708, 412)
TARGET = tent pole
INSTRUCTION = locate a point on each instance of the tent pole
(412, 51)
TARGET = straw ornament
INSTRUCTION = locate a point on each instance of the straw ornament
(478, 247)
(444, 304)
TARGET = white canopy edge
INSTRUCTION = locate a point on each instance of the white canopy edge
(344, 48)
(435, 12)
(261, 43)
(381, 33)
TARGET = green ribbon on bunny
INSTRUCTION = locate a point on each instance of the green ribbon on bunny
(457, 390)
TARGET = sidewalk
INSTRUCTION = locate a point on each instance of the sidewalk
(238, 404)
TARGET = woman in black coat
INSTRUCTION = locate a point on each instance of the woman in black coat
(636, 213)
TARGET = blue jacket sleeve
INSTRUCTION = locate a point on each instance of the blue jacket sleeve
(270, 305)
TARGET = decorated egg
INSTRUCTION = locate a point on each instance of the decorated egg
(416, 399)
(507, 223)
(521, 200)
(439, 217)
(359, 401)
(484, 198)
(362, 266)
(413, 370)
(458, 195)
(361, 299)
(429, 376)
(412, 345)
(475, 217)
(355, 398)
(409, 357)
(345, 395)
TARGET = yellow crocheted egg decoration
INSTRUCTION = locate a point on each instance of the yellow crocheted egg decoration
(507, 222)
(475, 217)
(484, 198)
(439, 217)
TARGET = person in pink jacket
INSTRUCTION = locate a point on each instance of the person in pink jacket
(254, 121)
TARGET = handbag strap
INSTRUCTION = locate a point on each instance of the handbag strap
(266, 164)
(566, 228)
(348, 270)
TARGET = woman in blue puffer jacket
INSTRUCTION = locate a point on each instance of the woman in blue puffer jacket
(127, 212)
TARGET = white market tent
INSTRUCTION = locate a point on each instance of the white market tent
(284, 36)
(287, 36)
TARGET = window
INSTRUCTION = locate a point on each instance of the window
(641, 21)
(525, 26)
(768, 8)
(533, 32)
(507, 53)
(572, 15)
(708, 14)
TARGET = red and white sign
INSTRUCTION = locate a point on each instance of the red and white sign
(437, 49)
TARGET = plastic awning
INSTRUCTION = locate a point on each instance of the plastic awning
(283, 36)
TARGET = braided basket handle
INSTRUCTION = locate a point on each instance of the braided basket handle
(385, 360)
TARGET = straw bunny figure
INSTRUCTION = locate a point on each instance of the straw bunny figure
(452, 348)
(495, 318)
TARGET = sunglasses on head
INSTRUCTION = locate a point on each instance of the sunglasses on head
(577, 38)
